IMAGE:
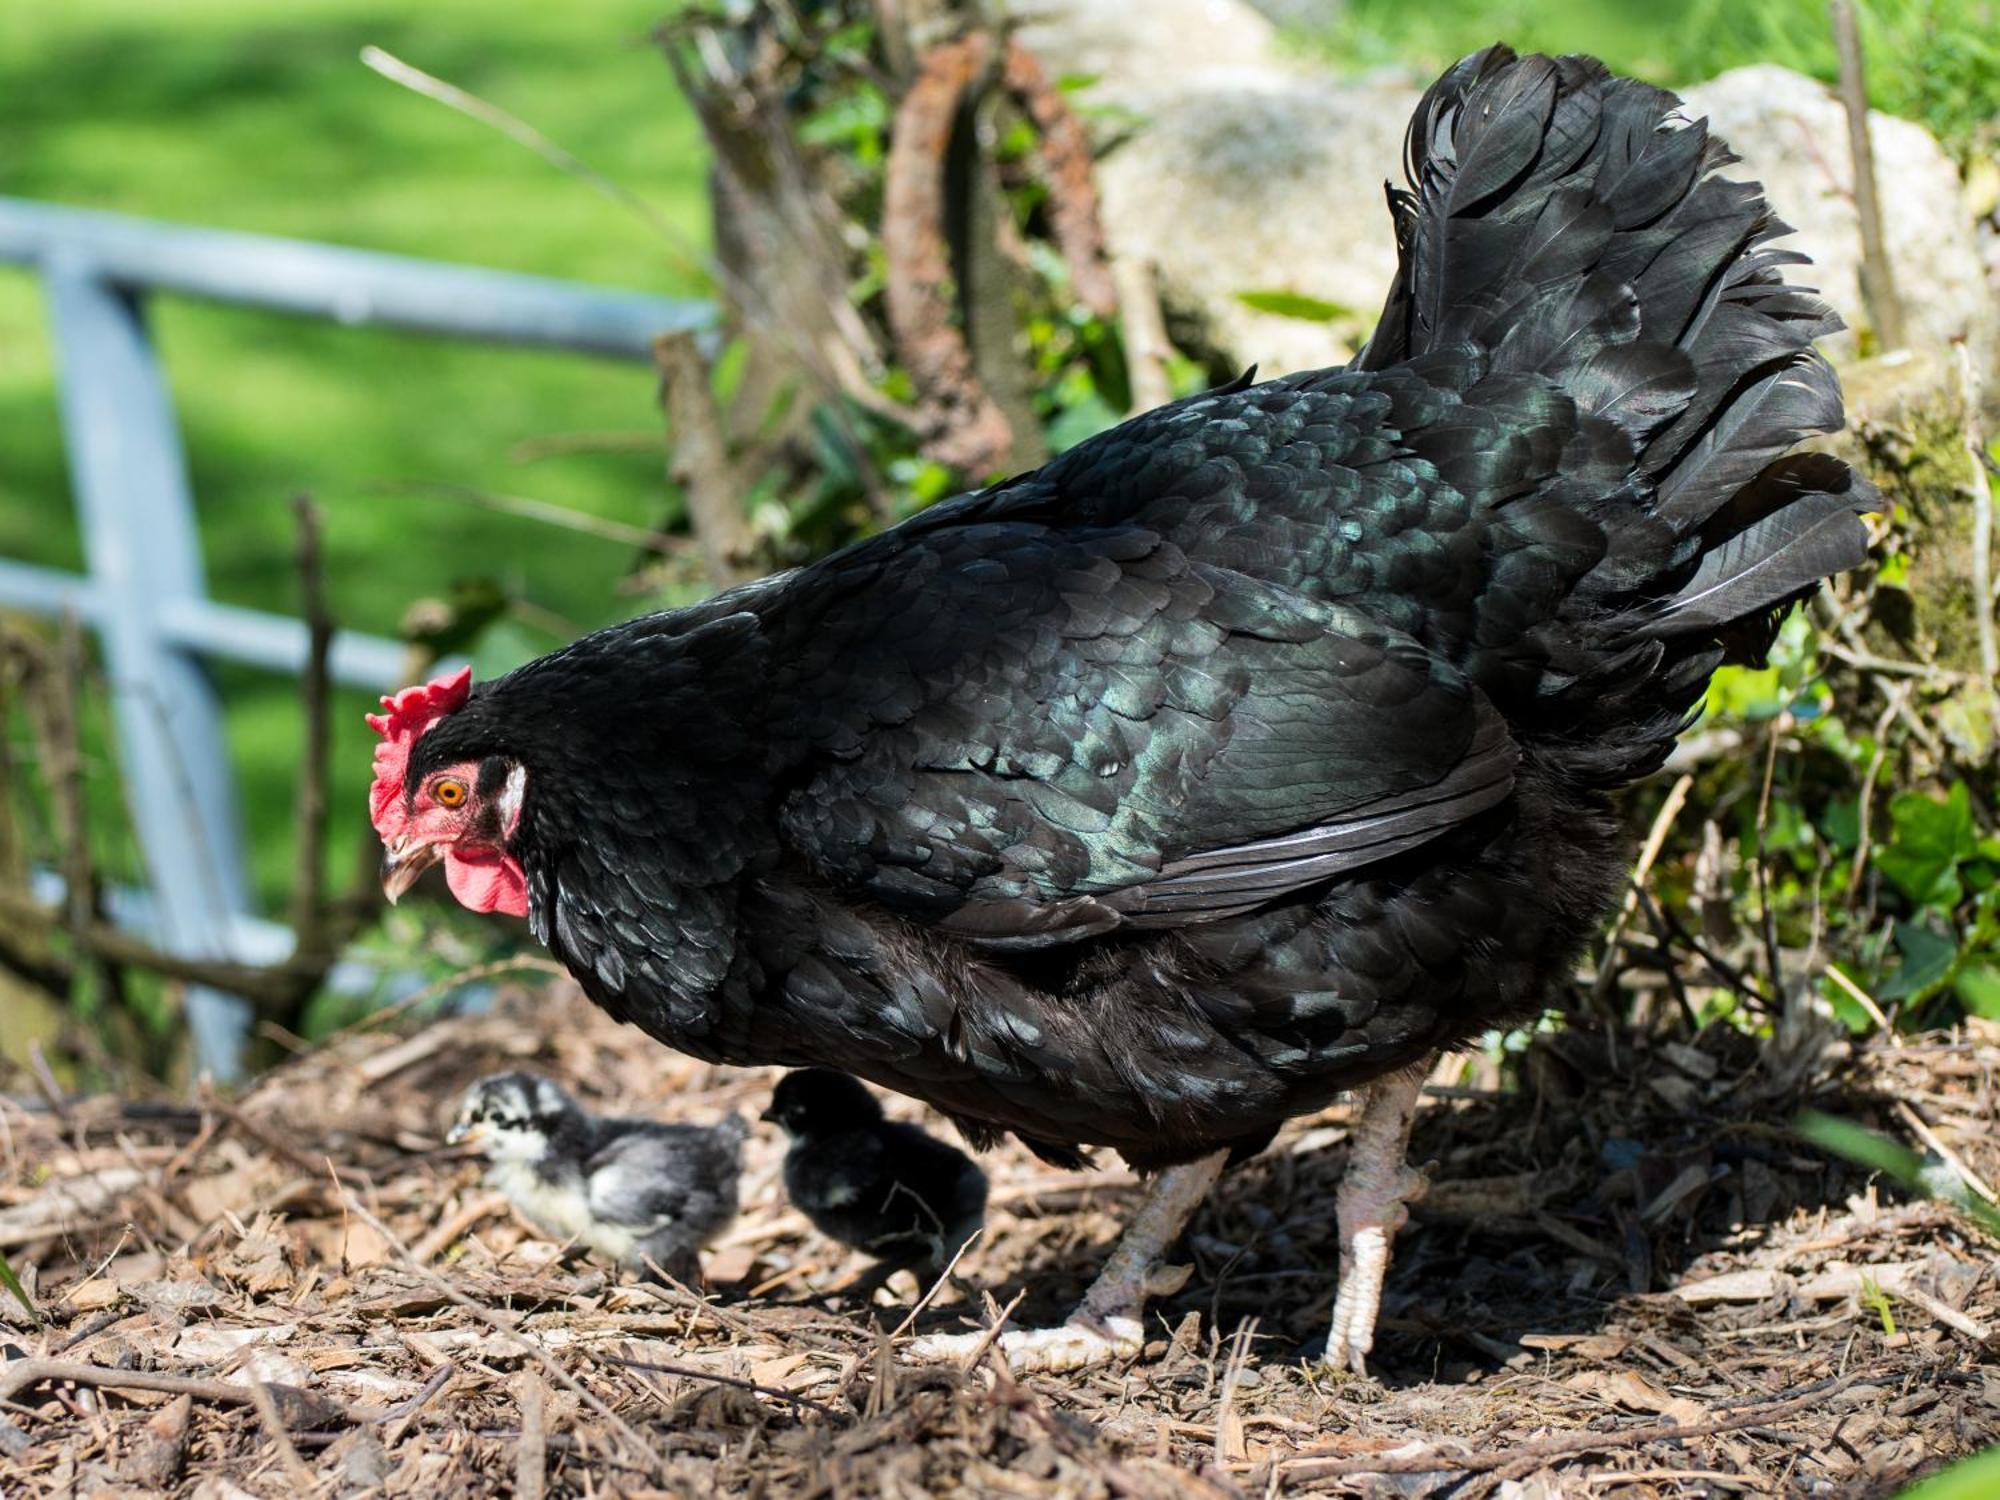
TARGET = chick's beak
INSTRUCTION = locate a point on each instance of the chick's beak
(461, 1132)
(402, 862)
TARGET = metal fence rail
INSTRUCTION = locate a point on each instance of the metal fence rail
(145, 594)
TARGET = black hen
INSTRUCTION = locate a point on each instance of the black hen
(888, 1189)
(1249, 752)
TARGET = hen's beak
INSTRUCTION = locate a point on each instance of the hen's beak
(402, 863)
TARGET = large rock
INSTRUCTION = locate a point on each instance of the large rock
(1259, 184)
(1139, 51)
(1792, 135)
(1235, 172)
(1230, 169)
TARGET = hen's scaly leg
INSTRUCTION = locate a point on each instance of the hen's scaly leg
(1106, 1325)
(1373, 1204)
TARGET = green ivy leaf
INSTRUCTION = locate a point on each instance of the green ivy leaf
(1084, 419)
(1841, 824)
(1928, 841)
(1294, 305)
(1746, 693)
(1978, 987)
(1927, 963)
(1977, 1478)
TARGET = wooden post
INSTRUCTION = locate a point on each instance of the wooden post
(1878, 279)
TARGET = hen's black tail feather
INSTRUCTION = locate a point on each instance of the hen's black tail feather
(1569, 224)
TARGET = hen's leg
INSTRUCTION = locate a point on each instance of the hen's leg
(1373, 1204)
(1106, 1325)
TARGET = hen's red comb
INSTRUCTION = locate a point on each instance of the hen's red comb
(410, 713)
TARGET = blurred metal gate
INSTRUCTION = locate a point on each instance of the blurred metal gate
(145, 595)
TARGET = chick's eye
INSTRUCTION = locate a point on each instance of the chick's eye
(449, 793)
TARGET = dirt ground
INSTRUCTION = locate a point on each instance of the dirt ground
(1630, 1279)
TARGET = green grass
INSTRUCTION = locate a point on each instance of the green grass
(1931, 60)
(258, 115)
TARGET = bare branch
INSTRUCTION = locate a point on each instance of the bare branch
(1878, 279)
(1065, 162)
(959, 421)
(701, 464)
(522, 133)
(275, 987)
(1982, 531)
(309, 814)
(1143, 331)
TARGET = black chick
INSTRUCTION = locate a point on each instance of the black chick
(644, 1194)
(885, 1188)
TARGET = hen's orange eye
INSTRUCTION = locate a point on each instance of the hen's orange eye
(449, 793)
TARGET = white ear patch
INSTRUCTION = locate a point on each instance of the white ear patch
(515, 788)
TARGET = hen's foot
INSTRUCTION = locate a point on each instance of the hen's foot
(1107, 1326)
(1373, 1204)
(1075, 1345)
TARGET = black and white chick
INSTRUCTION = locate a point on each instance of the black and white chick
(636, 1191)
(884, 1188)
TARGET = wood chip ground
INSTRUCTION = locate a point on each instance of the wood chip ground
(1630, 1280)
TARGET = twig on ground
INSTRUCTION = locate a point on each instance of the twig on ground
(447, 1234)
(1944, 1312)
(640, 1447)
(1536, 1454)
(991, 1336)
(1228, 1426)
(274, 1429)
(930, 1295)
(685, 1372)
(26, 1374)
(531, 1451)
(401, 1413)
(1951, 1158)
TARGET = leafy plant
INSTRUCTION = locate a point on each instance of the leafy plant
(1877, 1301)
(1298, 305)
(1975, 1478)
(13, 1284)
(1896, 1161)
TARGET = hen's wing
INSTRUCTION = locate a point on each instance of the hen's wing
(1027, 733)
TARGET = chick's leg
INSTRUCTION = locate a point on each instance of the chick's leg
(1106, 1325)
(1375, 1192)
